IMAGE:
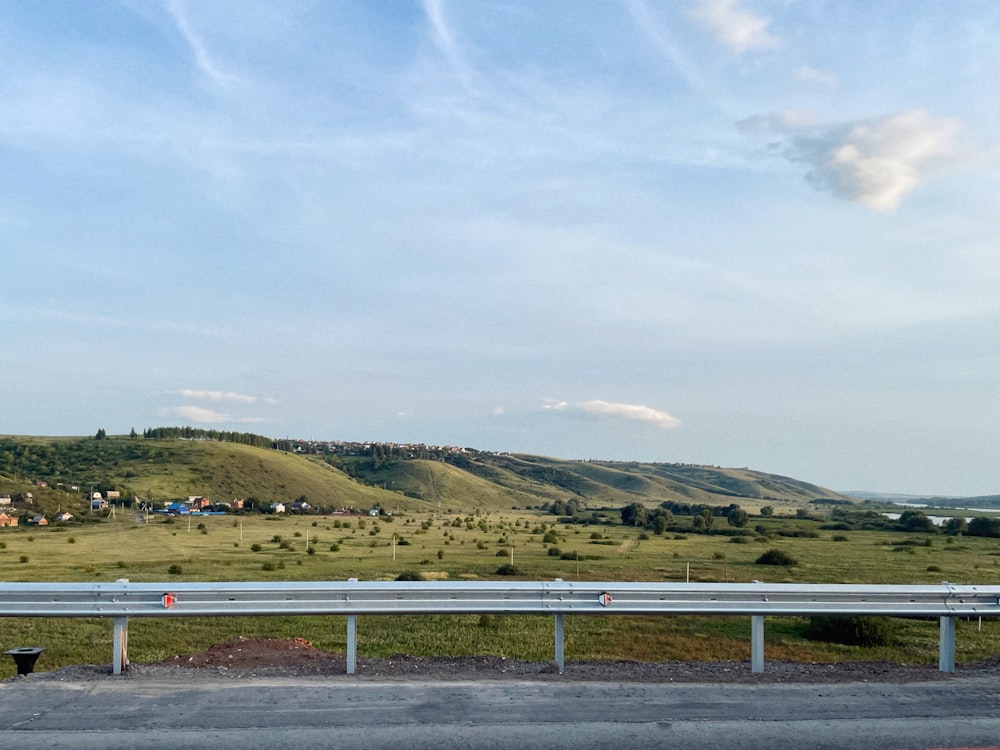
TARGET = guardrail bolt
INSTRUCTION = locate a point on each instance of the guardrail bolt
(25, 658)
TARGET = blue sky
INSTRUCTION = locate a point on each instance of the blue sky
(737, 232)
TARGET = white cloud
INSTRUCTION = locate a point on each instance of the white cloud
(196, 414)
(876, 162)
(631, 412)
(219, 396)
(206, 64)
(733, 26)
(821, 77)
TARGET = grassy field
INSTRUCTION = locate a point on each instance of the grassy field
(447, 546)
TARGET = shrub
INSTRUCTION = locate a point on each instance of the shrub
(739, 540)
(643, 535)
(933, 568)
(410, 576)
(175, 570)
(508, 570)
(554, 552)
(840, 538)
(255, 548)
(776, 557)
(334, 547)
(24, 558)
(71, 540)
(853, 630)
(268, 566)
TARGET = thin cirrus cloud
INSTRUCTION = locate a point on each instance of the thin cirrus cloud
(224, 396)
(876, 162)
(733, 26)
(200, 415)
(630, 412)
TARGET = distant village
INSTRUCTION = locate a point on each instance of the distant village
(17, 509)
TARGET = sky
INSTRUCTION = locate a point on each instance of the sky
(757, 233)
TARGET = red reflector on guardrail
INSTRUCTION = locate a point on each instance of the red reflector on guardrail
(169, 600)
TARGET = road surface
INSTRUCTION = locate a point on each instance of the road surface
(111, 713)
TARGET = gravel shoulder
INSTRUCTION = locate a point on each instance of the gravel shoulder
(248, 658)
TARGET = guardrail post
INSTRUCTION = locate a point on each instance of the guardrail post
(352, 643)
(120, 645)
(757, 643)
(560, 644)
(946, 652)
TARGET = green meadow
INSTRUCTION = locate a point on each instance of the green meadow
(450, 546)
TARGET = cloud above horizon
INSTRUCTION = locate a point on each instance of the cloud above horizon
(200, 415)
(630, 412)
(224, 396)
(875, 162)
(733, 26)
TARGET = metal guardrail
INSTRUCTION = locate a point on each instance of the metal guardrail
(122, 600)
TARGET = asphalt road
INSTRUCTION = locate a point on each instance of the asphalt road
(305, 713)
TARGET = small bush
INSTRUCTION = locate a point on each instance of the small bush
(175, 570)
(839, 538)
(335, 548)
(643, 535)
(410, 576)
(853, 630)
(739, 540)
(554, 552)
(508, 570)
(71, 540)
(255, 548)
(776, 557)
(933, 568)
(268, 566)
(24, 558)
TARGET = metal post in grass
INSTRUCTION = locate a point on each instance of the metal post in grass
(119, 659)
(946, 649)
(560, 644)
(757, 643)
(352, 643)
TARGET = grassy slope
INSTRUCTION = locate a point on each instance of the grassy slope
(172, 469)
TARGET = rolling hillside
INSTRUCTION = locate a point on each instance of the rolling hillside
(60, 471)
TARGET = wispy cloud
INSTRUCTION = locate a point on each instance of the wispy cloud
(875, 162)
(446, 43)
(821, 77)
(733, 26)
(196, 414)
(200, 415)
(203, 59)
(630, 412)
(223, 396)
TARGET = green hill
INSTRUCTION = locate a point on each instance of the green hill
(60, 472)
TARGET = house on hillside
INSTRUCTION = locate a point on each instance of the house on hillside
(7, 520)
(38, 521)
(277, 507)
(62, 517)
(4, 500)
(178, 509)
(301, 506)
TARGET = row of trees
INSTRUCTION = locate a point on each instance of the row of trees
(637, 514)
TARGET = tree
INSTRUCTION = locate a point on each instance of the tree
(101, 434)
(955, 525)
(635, 514)
(984, 526)
(661, 520)
(738, 518)
(767, 511)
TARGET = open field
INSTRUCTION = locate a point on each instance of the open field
(256, 547)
